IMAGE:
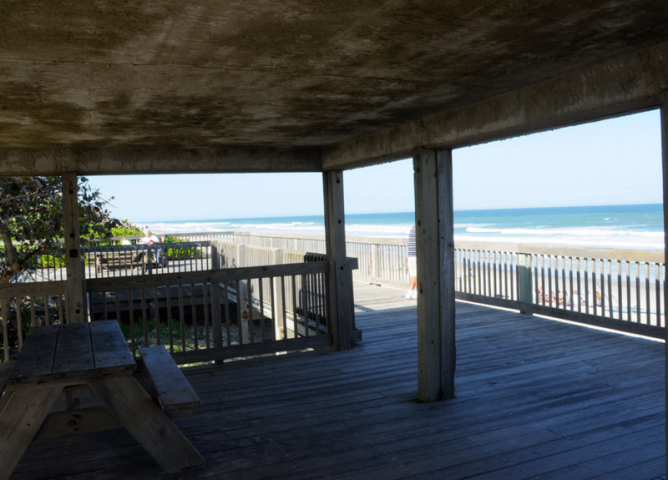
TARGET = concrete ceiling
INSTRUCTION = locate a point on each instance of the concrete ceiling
(284, 72)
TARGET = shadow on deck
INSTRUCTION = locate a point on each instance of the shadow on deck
(534, 397)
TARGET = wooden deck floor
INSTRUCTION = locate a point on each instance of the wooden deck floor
(535, 398)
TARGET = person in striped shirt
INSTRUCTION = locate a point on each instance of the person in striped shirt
(411, 262)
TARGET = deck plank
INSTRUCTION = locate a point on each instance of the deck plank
(535, 397)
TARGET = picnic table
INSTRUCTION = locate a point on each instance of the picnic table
(123, 260)
(95, 355)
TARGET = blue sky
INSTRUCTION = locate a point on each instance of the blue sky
(611, 162)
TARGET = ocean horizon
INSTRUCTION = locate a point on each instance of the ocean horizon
(610, 226)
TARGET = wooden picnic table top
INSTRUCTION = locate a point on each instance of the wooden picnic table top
(72, 352)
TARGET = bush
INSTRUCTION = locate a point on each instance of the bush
(177, 253)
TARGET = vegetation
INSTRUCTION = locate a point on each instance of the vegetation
(189, 336)
(177, 253)
(31, 220)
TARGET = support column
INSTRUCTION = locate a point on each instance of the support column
(434, 227)
(75, 298)
(339, 300)
(664, 148)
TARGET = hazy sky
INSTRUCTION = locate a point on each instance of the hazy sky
(611, 162)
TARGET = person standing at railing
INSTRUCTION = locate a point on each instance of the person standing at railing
(411, 263)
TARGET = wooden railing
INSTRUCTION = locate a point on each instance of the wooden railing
(217, 314)
(199, 316)
(26, 305)
(618, 289)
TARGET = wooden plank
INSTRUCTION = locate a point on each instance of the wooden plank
(149, 425)
(207, 276)
(63, 424)
(173, 390)
(340, 288)
(435, 259)
(446, 292)
(74, 353)
(248, 350)
(20, 420)
(33, 288)
(73, 256)
(110, 349)
(5, 371)
(35, 361)
(216, 311)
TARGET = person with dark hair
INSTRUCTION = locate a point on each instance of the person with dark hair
(411, 262)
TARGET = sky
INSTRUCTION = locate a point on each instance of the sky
(611, 162)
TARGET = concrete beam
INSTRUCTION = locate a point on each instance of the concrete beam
(626, 84)
(151, 160)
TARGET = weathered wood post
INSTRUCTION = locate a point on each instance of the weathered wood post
(374, 261)
(434, 226)
(664, 149)
(524, 282)
(216, 311)
(243, 298)
(279, 307)
(75, 298)
(340, 299)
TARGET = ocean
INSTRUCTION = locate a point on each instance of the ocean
(617, 226)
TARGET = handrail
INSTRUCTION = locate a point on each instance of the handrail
(205, 276)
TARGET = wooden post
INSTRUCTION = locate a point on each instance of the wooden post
(664, 148)
(434, 226)
(216, 312)
(242, 298)
(279, 307)
(524, 282)
(374, 261)
(75, 296)
(339, 286)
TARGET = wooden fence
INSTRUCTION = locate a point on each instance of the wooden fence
(617, 289)
(199, 316)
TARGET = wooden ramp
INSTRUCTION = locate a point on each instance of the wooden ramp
(535, 398)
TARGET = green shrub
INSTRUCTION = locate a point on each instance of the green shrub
(177, 253)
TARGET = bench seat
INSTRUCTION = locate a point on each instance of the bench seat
(173, 391)
(5, 371)
(124, 260)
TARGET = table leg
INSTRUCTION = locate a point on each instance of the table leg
(147, 423)
(23, 414)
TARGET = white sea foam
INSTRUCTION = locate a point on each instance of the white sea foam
(628, 236)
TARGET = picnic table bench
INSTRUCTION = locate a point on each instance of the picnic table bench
(124, 260)
(95, 355)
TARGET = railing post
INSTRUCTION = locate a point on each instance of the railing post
(524, 282)
(215, 300)
(149, 259)
(75, 290)
(242, 297)
(241, 256)
(279, 307)
(374, 261)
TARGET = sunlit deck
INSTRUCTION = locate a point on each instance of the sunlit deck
(534, 398)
